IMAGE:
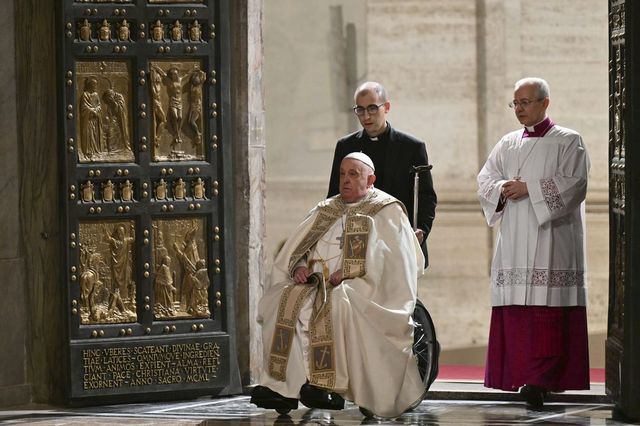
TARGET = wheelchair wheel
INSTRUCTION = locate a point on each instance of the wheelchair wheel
(425, 345)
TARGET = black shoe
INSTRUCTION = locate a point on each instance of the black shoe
(264, 397)
(534, 395)
(315, 397)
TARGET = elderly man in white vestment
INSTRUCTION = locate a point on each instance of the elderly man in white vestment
(336, 316)
(534, 184)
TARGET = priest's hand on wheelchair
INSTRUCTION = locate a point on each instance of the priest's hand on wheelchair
(301, 274)
(515, 189)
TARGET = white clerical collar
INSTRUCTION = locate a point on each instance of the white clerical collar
(377, 138)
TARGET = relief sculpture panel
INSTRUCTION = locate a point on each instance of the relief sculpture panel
(107, 279)
(176, 90)
(103, 124)
(85, 31)
(181, 280)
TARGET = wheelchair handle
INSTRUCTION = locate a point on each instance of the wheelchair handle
(416, 182)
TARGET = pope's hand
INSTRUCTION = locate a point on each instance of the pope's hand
(301, 274)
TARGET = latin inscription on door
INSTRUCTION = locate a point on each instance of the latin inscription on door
(134, 367)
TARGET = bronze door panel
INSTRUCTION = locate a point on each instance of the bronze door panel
(144, 139)
(622, 348)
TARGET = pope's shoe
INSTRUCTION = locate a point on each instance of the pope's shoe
(315, 397)
(264, 397)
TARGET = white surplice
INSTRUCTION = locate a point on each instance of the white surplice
(539, 257)
(371, 316)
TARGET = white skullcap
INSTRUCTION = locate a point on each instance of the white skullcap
(363, 158)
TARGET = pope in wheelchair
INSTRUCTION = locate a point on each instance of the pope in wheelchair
(338, 313)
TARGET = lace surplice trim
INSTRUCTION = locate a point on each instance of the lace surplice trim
(538, 278)
(551, 194)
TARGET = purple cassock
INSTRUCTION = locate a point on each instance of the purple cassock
(538, 332)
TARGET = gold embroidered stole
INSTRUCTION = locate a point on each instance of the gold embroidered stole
(359, 219)
(291, 302)
(356, 233)
(322, 355)
(328, 212)
(358, 222)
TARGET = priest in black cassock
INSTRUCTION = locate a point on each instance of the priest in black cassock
(394, 153)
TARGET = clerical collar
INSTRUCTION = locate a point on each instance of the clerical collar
(380, 136)
(538, 130)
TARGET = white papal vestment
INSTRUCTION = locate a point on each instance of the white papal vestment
(370, 314)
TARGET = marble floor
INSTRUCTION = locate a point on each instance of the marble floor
(448, 403)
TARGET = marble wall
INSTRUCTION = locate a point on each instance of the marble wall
(308, 99)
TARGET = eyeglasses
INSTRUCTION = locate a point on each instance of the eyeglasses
(371, 109)
(523, 103)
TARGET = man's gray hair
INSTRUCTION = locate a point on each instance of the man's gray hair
(540, 83)
(371, 87)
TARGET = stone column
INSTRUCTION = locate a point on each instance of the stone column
(249, 162)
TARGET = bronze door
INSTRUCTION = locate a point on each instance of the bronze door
(623, 335)
(147, 166)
